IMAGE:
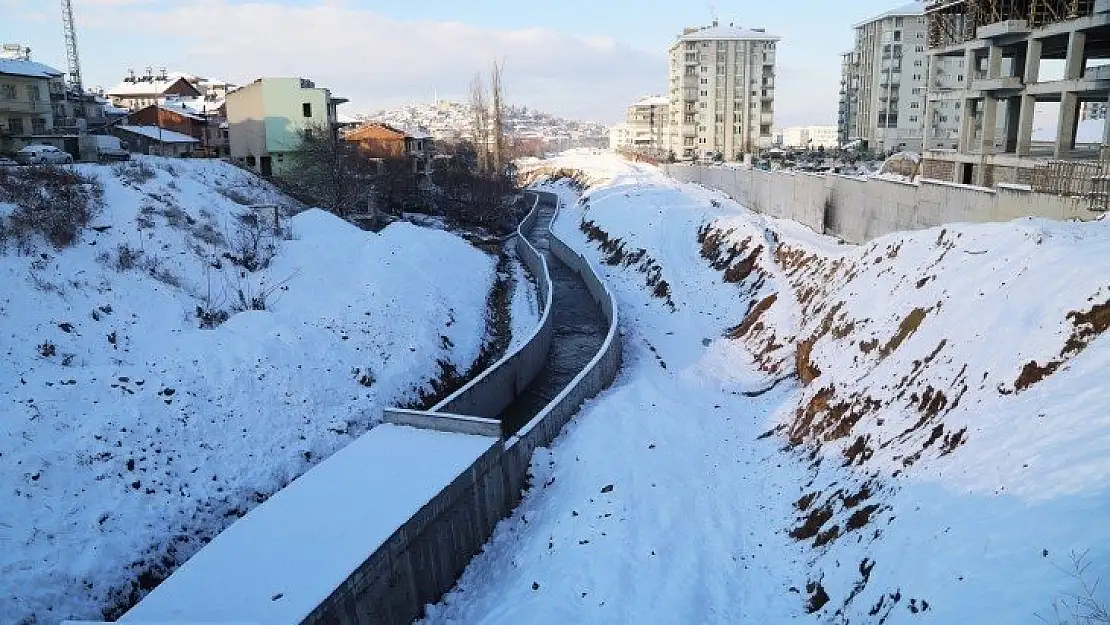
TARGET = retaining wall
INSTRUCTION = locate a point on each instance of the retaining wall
(425, 557)
(858, 210)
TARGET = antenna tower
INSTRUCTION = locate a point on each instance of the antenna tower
(75, 83)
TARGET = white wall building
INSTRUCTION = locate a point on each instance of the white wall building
(648, 122)
(721, 92)
(884, 81)
(809, 137)
(620, 136)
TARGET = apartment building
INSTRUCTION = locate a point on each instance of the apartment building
(721, 92)
(1021, 59)
(648, 121)
(140, 91)
(883, 82)
(267, 120)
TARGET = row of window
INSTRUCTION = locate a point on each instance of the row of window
(10, 92)
(17, 127)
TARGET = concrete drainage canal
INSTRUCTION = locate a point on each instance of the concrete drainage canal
(388, 524)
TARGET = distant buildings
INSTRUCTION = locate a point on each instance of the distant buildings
(137, 92)
(811, 137)
(721, 92)
(267, 120)
(382, 141)
(620, 137)
(648, 123)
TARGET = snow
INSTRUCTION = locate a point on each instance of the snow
(143, 435)
(718, 32)
(672, 497)
(159, 134)
(142, 86)
(30, 69)
(525, 305)
(285, 557)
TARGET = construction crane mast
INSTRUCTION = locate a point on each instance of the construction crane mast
(75, 83)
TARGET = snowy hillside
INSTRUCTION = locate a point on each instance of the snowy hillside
(916, 430)
(179, 364)
(451, 120)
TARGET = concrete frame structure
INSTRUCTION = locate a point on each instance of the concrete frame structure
(30, 95)
(721, 92)
(1003, 44)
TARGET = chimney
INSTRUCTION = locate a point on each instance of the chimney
(130, 75)
(149, 74)
(162, 74)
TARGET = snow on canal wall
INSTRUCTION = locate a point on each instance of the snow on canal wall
(388, 525)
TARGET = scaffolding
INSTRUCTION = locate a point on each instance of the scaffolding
(953, 22)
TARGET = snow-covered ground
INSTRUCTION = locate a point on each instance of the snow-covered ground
(131, 435)
(914, 430)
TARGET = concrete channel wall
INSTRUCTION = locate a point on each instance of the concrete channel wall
(424, 558)
(498, 386)
(858, 210)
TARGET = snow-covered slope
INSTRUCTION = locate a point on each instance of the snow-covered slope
(131, 435)
(916, 430)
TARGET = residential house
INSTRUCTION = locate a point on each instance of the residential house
(267, 120)
(154, 140)
(29, 92)
(647, 121)
(136, 92)
(379, 140)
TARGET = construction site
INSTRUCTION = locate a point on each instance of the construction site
(1021, 62)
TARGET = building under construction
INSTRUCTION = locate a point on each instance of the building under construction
(1016, 56)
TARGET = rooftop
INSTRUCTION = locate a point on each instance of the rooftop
(144, 85)
(158, 134)
(906, 10)
(30, 69)
(652, 100)
(718, 32)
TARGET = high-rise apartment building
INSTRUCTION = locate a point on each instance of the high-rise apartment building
(883, 81)
(721, 92)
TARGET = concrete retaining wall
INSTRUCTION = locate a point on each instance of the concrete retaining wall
(423, 559)
(497, 387)
(858, 210)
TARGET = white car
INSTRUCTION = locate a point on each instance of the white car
(43, 155)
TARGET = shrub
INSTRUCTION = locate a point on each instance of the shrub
(51, 202)
(134, 172)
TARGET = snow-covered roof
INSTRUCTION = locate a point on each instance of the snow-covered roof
(159, 134)
(653, 100)
(141, 86)
(715, 33)
(416, 133)
(30, 69)
(193, 107)
(911, 9)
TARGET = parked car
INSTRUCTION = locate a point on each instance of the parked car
(110, 148)
(204, 152)
(7, 162)
(43, 155)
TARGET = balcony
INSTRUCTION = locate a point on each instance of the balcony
(26, 107)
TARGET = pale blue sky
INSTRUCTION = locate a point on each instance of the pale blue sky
(582, 58)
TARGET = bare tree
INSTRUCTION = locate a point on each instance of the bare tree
(498, 129)
(329, 172)
(479, 103)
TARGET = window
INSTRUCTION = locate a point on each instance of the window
(704, 93)
(7, 92)
(250, 161)
(15, 125)
(913, 118)
(917, 63)
(919, 49)
(914, 105)
(38, 126)
(33, 93)
(898, 35)
(306, 108)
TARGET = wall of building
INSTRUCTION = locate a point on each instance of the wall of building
(18, 115)
(858, 210)
(423, 559)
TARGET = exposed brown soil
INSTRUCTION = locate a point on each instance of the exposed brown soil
(1086, 327)
(742, 330)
